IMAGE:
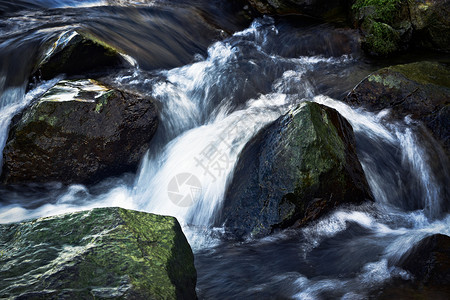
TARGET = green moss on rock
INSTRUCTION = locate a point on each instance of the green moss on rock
(79, 131)
(420, 90)
(384, 9)
(425, 72)
(381, 39)
(431, 21)
(390, 26)
(101, 253)
(294, 171)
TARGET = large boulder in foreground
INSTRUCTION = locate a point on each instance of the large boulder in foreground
(101, 253)
(76, 53)
(79, 131)
(420, 90)
(293, 171)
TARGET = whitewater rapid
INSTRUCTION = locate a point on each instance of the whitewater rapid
(209, 110)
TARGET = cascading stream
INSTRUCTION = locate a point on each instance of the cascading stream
(354, 249)
(209, 110)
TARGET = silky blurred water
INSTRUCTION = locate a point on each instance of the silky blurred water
(217, 83)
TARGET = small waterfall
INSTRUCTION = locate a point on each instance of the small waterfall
(208, 153)
(212, 97)
(209, 110)
(12, 101)
(396, 166)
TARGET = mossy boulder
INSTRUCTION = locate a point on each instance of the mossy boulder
(76, 53)
(294, 171)
(322, 9)
(79, 131)
(101, 253)
(390, 26)
(431, 22)
(420, 90)
(385, 25)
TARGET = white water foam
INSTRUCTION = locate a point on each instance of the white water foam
(12, 101)
(413, 156)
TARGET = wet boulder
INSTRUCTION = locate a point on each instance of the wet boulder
(427, 264)
(420, 90)
(76, 53)
(429, 261)
(431, 22)
(294, 171)
(322, 9)
(101, 253)
(79, 131)
(385, 25)
(390, 26)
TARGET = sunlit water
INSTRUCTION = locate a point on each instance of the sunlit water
(215, 92)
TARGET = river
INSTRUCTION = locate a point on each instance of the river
(218, 78)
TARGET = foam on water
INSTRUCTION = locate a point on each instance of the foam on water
(424, 187)
(12, 101)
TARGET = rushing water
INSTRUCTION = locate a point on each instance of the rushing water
(217, 83)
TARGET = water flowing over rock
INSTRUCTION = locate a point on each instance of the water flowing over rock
(75, 53)
(101, 253)
(420, 90)
(429, 261)
(295, 170)
(220, 74)
(427, 264)
(79, 131)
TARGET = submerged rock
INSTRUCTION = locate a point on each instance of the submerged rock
(323, 9)
(420, 90)
(429, 261)
(101, 253)
(293, 171)
(79, 131)
(427, 264)
(75, 53)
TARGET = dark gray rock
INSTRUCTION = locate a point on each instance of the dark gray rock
(293, 171)
(429, 261)
(79, 131)
(390, 26)
(420, 90)
(75, 53)
(323, 9)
